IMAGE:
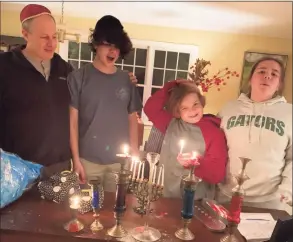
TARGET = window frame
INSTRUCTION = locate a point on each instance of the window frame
(151, 47)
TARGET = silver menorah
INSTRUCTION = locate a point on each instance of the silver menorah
(146, 191)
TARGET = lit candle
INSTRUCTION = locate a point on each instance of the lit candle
(160, 174)
(154, 174)
(163, 175)
(181, 143)
(75, 202)
(142, 173)
(139, 168)
(126, 150)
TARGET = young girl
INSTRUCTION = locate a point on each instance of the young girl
(259, 126)
(183, 118)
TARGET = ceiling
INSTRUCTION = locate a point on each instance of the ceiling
(272, 19)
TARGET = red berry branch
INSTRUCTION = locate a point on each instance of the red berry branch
(199, 74)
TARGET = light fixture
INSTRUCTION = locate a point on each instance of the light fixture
(61, 30)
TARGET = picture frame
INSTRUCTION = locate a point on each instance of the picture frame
(4, 47)
(250, 57)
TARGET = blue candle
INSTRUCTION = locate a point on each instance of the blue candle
(188, 203)
(95, 199)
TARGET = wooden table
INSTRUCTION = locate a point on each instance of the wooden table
(31, 219)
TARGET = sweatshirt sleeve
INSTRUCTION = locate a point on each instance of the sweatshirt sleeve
(154, 108)
(285, 188)
(212, 167)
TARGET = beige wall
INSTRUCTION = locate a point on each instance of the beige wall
(220, 48)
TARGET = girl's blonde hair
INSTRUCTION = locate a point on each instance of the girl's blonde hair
(178, 93)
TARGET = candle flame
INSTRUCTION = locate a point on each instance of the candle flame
(125, 149)
(181, 143)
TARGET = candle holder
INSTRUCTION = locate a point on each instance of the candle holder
(74, 225)
(233, 218)
(136, 185)
(188, 186)
(122, 181)
(97, 203)
(148, 191)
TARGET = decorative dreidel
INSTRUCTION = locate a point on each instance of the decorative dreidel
(233, 218)
(122, 181)
(188, 185)
(97, 203)
(74, 225)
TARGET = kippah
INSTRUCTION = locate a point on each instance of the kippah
(32, 11)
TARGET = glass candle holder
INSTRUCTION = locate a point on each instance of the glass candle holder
(74, 225)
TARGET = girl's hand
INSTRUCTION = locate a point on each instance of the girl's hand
(187, 160)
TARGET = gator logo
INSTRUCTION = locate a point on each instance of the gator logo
(258, 121)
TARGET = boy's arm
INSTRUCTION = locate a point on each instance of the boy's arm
(74, 86)
(213, 165)
(74, 89)
(134, 106)
(154, 107)
(73, 115)
(133, 133)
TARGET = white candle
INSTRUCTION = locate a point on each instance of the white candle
(151, 173)
(159, 178)
(154, 174)
(74, 202)
(132, 164)
(181, 142)
(139, 168)
(163, 175)
(142, 173)
(134, 170)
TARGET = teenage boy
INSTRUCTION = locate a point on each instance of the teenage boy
(103, 106)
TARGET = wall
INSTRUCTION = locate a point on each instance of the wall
(220, 48)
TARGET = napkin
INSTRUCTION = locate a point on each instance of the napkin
(256, 226)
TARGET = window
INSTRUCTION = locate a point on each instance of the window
(153, 63)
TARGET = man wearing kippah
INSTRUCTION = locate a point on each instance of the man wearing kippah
(34, 94)
(103, 106)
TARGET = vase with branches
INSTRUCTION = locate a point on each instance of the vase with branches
(199, 74)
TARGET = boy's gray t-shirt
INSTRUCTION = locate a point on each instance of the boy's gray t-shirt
(104, 102)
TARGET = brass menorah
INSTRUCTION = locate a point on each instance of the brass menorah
(147, 191)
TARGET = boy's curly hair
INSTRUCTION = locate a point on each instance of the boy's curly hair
(110, 30)
(178, 93)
